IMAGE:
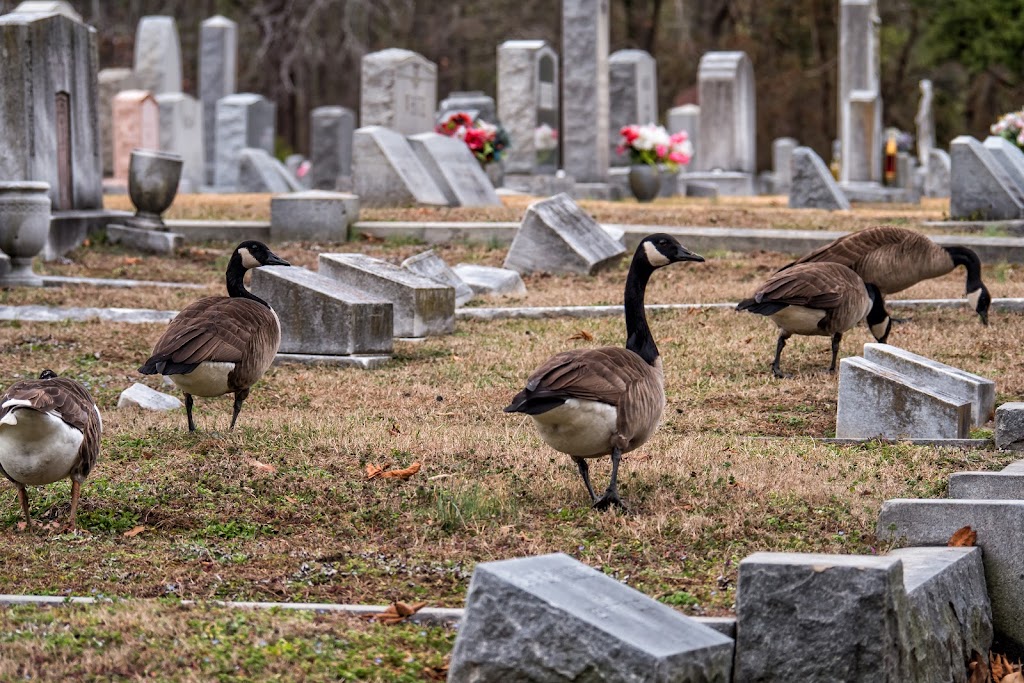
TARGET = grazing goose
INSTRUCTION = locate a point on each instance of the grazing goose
(818, 299)
(594, 402)
(896, 258)
(49, 429)
(221, 344)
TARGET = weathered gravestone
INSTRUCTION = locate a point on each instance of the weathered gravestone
(552, 619)
(686, 118)
(158, 55)
(938, 176)
(244, 120)
(387, 171)
(330, 145)
(422, 306)
(875, 401)
(399, 91)
(315, 215)
(490, 281)
(782, 164)
(528, 105)
(1010, 426)
(48, 107)
(136, 124)
(48, 7)
(925, 120)
(860, 101)
(1009, 156)
(980, 187)
(813, 185)
(557, 236)
(474, 102)
(428, 264)
(585, 101)
(218, 71)
(633, 96)
(181, 132)
(321, 316)
(454, 170)
(111, 82)
(258, 171)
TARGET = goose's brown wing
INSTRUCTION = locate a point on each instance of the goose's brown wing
(217, 329)
(850, 249)
(820, 286)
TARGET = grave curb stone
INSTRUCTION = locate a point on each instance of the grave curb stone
(312, 215)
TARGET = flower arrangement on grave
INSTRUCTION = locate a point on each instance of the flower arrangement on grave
(651, 144)
(1011, 127)
(487, 141)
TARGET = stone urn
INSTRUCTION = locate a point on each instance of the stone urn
(152, 184)
(24, 228)
(644, 181)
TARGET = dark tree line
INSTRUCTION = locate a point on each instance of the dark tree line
(306, 53)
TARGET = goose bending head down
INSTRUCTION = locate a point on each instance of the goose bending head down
(221, 344)
(49, 430)
(818, 299)
(588, 403)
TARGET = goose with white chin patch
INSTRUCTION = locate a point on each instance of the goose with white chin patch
(221, 344)
(49, 430)
(588, 403)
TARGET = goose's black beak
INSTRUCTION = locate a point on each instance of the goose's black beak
(275, 260)
(684, 254)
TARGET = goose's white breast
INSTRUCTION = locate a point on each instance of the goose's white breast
(578, 427)
(208, 379)
(799, 319)
(37, 448)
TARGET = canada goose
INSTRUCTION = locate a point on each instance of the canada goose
(49, 429)
(593, 402)
(818, 299)
(895, 258)
(221, 344)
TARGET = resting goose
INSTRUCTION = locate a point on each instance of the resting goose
(895, 258)
(593, 402)
(221, 344)
(818, 299)
(49, 429)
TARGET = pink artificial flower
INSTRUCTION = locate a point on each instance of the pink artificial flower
(620, 149)
(679, 137)
(661, 150)
(679, 158)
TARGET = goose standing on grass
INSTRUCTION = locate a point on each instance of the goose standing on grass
(896, 258)
(818, 299)
(607, 401)
(49, 429)
(221, 344)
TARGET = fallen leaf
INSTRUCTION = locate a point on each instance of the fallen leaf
(291, 500)
(266, 467)
(134, 531)
(372, 470)
(402, 474)
(581, 334)
(963, 538)
(22, 526)
(394, 429)
(978, 669)
(396, 612)
(435, 673)
(132, 260)
(1002, 668)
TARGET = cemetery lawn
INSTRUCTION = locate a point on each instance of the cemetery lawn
(281, 509)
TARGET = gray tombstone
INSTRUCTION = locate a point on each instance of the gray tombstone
(1010, 426)
(1009, 156)
(938, 175)
(181, 132)
(980, 187)
(313, 215)
(528, 105)
(454, 169)
(330, 143)
(48, 7)
(111, 82)
(782, 173)
(633, 95)
(387, 171)
(428, 264)
(860, 100)
(259, 171)
(490, 281)
(218, 71)
(813, 186)
(243, 120)
(474, 101)
(399, 91)
(48, 107)
(686, 118)
(585, 101)
(551, 618)
(158, 55)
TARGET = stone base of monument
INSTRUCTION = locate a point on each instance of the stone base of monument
(540, 185)
(68, 229)
(150, 241)
(601, 191)
(355, 360)
(693, 188)
(875, 193)
(313, 215)
(618, 176)
(729, 183)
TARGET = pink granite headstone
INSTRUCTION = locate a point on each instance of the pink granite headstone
(136, 125)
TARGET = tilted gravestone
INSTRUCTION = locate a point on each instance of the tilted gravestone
(528, 105)
(1009, 156)
(633, 96)
(428, 264)
(398, 91)
(330, 142)
(585, 99)
(812, 185)
(158, 55)
(490, 281)
(422, 307)
(553, 619)
(136, 125)
(181, 132)
(387, 171)
(875, 401)
(244, 120)
(258, 171)
(557, 236)
(48, 107)
(111, 82)
(322, 316)
(218, 73)
(980, 187)
(454, 170)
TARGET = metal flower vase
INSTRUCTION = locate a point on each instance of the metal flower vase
(153, 179)
(24, 229)
(644, 181)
